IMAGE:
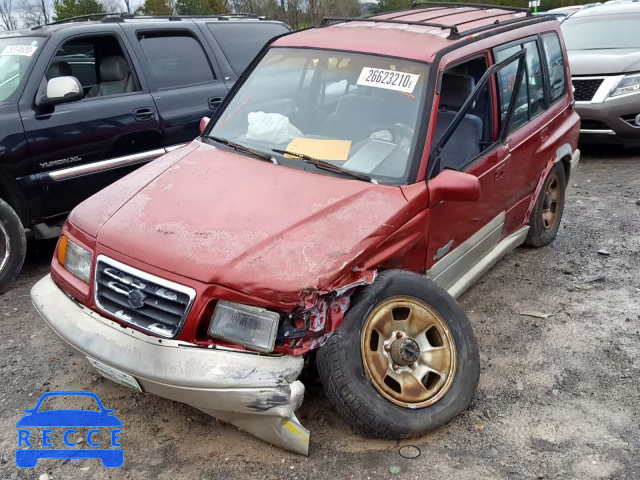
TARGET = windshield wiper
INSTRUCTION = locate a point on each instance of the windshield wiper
(242, 148)
(326, 165)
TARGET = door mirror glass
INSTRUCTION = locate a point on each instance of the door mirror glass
(62, 90)
(454, 186)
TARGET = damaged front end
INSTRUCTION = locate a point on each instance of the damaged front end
(258, 393)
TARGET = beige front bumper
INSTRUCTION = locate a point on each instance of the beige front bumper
(256, 393)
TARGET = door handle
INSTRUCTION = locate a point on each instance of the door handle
(499, 172)
(214, 103)
(144, 114)
(544, 133)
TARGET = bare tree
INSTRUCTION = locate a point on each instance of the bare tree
(8, 20)
(35, 12)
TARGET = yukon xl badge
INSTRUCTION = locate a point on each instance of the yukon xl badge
(442, 251)
(64, 161)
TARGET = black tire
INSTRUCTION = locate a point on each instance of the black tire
(539, 235)
(16, 242)
(354, 396)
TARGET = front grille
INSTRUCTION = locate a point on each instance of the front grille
(150, 303)
(585, 89)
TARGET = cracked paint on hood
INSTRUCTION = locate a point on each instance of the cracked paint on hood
(223, 218)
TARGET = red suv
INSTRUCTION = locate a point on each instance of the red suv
(360, 176)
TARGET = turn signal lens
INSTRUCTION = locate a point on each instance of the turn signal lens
(62, 249)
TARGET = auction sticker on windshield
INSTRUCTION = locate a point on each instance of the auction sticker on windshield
(18, 50)
(389, 79)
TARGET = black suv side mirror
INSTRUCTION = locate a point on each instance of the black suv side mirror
(61, 90)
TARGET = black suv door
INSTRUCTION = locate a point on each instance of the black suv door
(184, 77)
(79, 148)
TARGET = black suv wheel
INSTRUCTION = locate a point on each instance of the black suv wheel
(13, 245)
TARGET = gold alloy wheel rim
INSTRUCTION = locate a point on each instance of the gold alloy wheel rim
(551, 203)
(408, 352)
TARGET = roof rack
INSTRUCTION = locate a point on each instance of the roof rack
(479, 6)
(455, 33)
(219, 16)
(121, 16)
(90, 16)
(329, 20)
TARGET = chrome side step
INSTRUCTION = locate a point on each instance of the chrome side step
(480, 268)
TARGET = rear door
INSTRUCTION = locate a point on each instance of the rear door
(185, 81)
(79, 148)
(530, 127)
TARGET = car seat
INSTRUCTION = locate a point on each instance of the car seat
(115, 78)
(466, 142)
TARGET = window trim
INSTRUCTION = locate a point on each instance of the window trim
(495, 132)
(173, 32)
(486, 79)
(551, 102)
(522, 41)
(125, 54)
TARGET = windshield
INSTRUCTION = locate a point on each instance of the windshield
(603, 31)
(16, 54)
(358, 112)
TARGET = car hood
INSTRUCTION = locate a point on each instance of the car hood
(228, 219)
(604, 61)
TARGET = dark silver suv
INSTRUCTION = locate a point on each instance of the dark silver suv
(604, 55)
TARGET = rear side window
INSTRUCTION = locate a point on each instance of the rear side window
(176, 59)
(555, 65)
(241, 42)
(530, 100)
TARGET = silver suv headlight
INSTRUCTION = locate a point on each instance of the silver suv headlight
(628, 84)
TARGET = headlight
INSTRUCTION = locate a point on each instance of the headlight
(75, 259)
(251, 327)
(629, 84)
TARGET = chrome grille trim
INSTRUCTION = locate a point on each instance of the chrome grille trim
(164, 315)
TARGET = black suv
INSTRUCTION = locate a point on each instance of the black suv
(85, 103)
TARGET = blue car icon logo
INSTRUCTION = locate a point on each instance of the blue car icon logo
(59, 433)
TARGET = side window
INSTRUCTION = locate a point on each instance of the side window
(475, 133)
(555, 65)
(241, 42)
(176, 59)
(99, 64)
(530, 94)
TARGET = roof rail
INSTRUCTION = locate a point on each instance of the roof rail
(479, 6)
(221, 16)
(90, 16)
(329, 20)
(455, 32)
(121, 16)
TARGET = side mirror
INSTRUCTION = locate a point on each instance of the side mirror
(204, 121)
(61, 90)
(454, 186)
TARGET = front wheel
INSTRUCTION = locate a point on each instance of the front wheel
(13, 245)
(404, 360)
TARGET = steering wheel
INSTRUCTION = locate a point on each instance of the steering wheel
(398, 131)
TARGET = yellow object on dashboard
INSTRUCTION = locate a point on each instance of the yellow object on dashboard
(336, 150)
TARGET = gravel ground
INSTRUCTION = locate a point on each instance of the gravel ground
(558, 395)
